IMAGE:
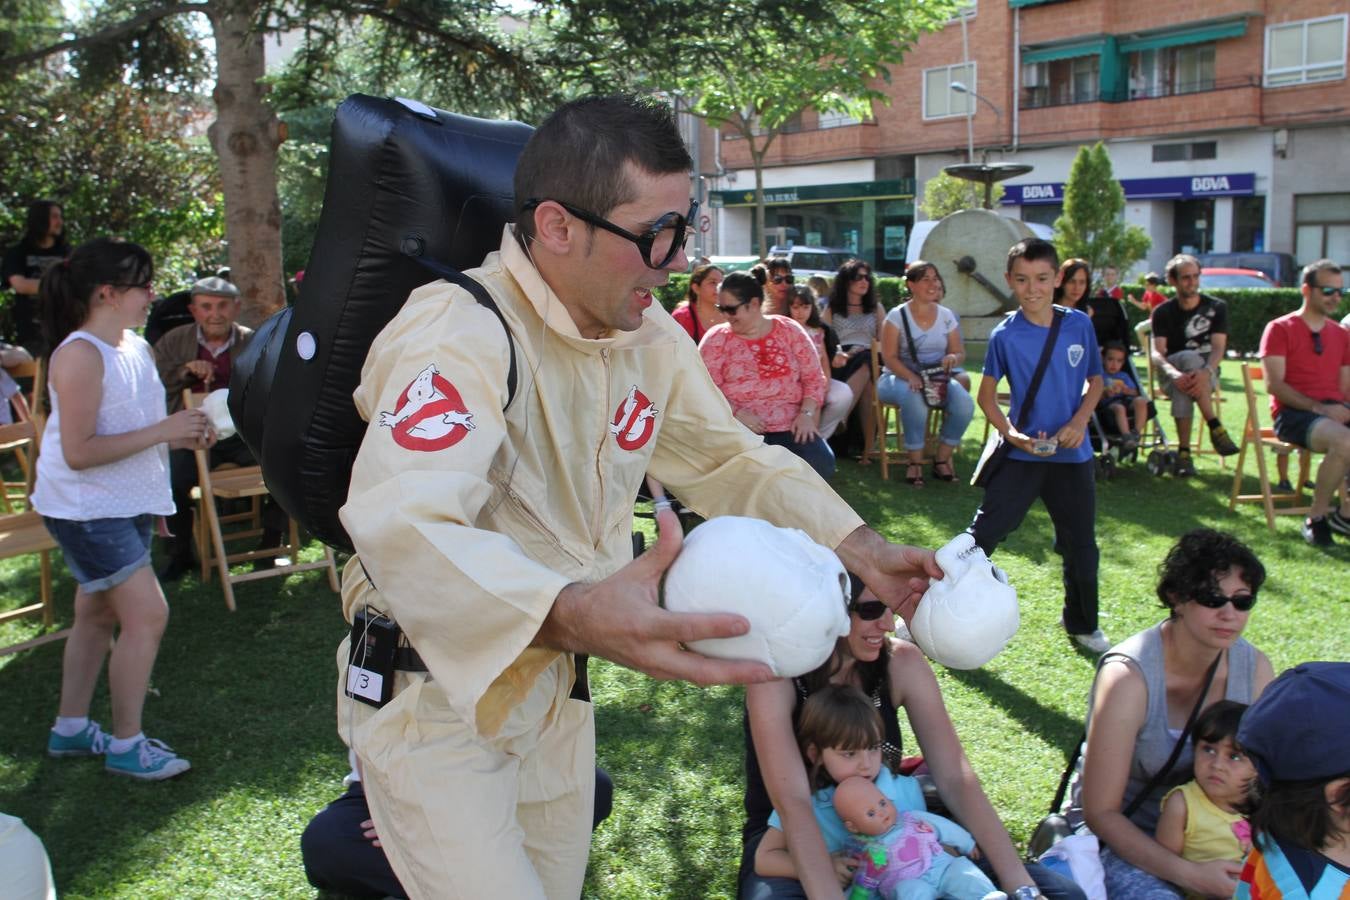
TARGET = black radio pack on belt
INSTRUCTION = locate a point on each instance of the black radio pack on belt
(370, 659)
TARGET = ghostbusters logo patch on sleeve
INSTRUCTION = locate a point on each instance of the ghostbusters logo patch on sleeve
(429, 414)
(634, 421)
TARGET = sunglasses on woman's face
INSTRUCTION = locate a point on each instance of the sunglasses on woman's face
(782, 279)
(861, 276)
(1218, 599)
(869, 610)
(732, 309)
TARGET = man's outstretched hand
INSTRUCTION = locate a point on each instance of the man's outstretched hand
(897, 573)
(620, 619)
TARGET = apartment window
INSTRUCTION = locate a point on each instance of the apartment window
(1194, 66)
(1182, 152)
(966, 10)
(1061, 82)
(939, 100)
(1172, 70)
(1307, 51)
(1322, 227)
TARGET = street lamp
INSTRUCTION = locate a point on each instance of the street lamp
(961, 88)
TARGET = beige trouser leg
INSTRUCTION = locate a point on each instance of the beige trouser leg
(463, 816)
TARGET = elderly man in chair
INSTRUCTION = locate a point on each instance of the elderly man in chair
(200, 356)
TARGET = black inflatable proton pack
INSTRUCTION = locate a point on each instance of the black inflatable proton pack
(413, 194)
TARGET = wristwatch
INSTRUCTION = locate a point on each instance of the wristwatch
(1028, 892)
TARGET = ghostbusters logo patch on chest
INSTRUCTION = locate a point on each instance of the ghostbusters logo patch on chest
(429, 414)
(634, 421)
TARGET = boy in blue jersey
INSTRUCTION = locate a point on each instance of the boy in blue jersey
(1050, 457)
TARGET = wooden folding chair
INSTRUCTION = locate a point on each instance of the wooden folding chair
(890, 431)
(22, 531)
(20, 438)
(241, 483)
(1259, 438)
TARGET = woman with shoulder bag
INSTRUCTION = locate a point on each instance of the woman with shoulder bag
(1148, 692)
(922, 350)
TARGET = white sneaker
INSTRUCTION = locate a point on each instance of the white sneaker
(1096, 642)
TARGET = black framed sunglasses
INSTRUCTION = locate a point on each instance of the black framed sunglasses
(1329, 290)
(782, 279)
(861, 276)
(1216, 600)
(658, 244)
(1317, 342)
(732, 309)
(869, 610)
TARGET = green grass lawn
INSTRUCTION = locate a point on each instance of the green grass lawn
(248, 697)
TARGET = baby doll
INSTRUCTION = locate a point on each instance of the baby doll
(902, 856)
(1201, 820)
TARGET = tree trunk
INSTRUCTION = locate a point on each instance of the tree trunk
(245, 136)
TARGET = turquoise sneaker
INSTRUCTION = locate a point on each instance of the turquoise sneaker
(150, 760)
(90, 742)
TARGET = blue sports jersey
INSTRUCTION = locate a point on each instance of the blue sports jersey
(1014, 349)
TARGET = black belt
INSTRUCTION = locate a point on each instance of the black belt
(406, 659)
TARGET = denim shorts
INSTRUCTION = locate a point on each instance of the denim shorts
(103, 553)
(1294, 426)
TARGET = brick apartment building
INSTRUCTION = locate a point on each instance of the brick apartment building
(1228, 123)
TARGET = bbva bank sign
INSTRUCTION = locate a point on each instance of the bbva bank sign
(1233, 184)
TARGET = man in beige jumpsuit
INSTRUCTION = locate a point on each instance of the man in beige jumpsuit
(500, 540)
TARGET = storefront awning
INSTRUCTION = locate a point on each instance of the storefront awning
(1196, 33)
(1016, 4)
(1066, 50)
(892, 189)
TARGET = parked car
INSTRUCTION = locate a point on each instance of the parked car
(1281, 268)
(808, 261)
(1220, 277)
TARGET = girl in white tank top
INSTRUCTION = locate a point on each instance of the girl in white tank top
(101, 478)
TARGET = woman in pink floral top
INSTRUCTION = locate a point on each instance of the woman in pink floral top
(769, 370)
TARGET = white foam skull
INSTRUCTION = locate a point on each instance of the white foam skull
(793, 591)
(967, 617)
(217, 410)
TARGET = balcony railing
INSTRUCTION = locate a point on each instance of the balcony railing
(1047, 96)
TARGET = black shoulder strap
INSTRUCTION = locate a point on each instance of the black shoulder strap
(1024, 413)
(480, 293)
(1058, 803)
(1159, 775)
(909, 336)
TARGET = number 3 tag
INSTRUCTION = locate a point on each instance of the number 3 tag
(370, 660)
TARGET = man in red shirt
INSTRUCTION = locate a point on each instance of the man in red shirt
(1306, 358)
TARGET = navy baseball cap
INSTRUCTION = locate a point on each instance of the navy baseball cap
(1299, 729)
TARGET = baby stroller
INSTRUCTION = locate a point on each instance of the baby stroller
(1112, 447)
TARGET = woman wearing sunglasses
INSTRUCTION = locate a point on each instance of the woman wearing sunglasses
(776, 276)
(856, 315)
(1146, 689)
(769, 371)
(896, 675)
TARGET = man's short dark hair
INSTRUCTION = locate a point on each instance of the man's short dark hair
(577, 155)
(1033, 249)
(1175, 263)
(1322, 265)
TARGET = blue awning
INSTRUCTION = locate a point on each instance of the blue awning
(1015, 4)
